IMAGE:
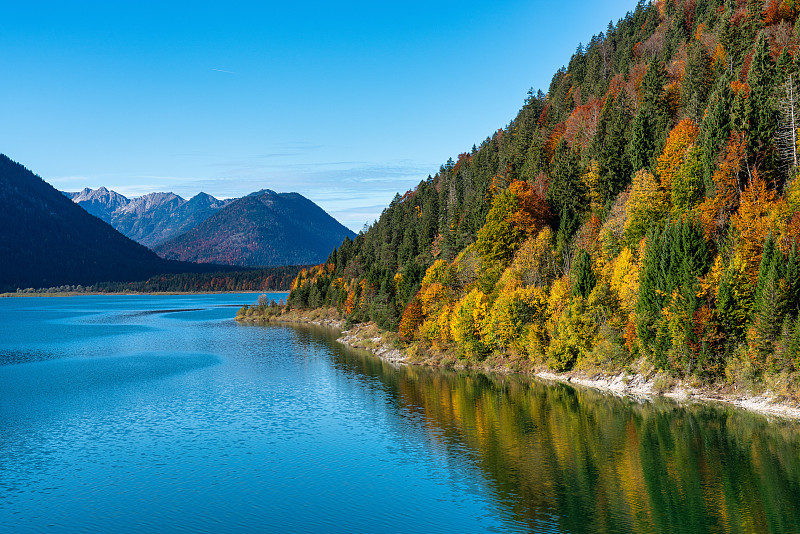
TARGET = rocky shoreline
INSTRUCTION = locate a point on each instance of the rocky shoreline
(367, 336)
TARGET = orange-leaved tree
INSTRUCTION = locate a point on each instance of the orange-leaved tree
(673, 157)
(755, 219)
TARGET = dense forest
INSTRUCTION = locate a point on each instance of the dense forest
(268, 279)
(643, 213)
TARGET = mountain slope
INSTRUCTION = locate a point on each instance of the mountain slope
(261, 229)
(193, 212)
(147, 219)
(48, 240)
(644, 213)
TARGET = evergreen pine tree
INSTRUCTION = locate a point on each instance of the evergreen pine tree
(642, 145)
(760, 109)
(567, 192)
(792, 272)
(696, 82)
(585, 279)
(733, 306)
(715, 130)
(649, 303)
(651, 124)
(615, 167)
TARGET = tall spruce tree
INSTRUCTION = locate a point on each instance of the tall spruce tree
(760, 110)
(715, 129)
(615, 166)
(567, 192)
(585, 279)
(696, 82)
(770, 303)
(650, 125)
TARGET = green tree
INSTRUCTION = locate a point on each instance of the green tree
(585, 278)
(760, 109)
(687, 184)
(615, 165)
(696, 82)
(650, 125)
(715, 130)
(567, 193)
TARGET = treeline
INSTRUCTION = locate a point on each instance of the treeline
(644, 211)
(268, 279)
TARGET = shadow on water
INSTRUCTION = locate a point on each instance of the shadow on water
(566, 459)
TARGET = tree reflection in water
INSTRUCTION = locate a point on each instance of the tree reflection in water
(578, 460)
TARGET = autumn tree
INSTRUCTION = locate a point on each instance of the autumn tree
(647, 206)
(672, 159)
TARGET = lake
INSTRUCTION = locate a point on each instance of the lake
(161, 413)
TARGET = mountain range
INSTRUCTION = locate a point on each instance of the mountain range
(264, 228)
(150, 219)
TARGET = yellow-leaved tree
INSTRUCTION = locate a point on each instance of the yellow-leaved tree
(465, 325)
(757, 217)
(647, 205)
(503, 327)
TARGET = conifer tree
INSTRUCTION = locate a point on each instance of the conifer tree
(760, 109)
(734, 301)
(715, 130)
(567, 192)
(650, 299)
(615, 167)
(737, 33)
(642, 144)
(696, 81)
(585, 279)
(770, 305)
(649, 127)
(792, 272)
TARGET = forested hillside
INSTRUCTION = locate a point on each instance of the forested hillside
(644, 210)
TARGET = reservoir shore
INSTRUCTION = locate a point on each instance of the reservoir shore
(385, 345)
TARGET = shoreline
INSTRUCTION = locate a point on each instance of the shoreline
(134, 293)
(367, 336)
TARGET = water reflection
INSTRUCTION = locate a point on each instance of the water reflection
(577, 460)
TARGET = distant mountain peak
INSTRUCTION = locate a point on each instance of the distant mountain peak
(261, 229)
(264, 192)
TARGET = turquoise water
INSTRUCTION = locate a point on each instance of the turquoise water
(160, 413)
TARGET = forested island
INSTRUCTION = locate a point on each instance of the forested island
(643, 215)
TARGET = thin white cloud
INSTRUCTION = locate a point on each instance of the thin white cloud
(225, 71)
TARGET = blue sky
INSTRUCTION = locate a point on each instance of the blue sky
(343, 102)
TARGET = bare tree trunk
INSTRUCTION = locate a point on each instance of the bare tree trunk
(786, 134)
